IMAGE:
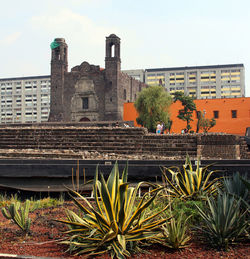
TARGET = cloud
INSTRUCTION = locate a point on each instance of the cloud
(72, 25)
(11, 38)
(84, 36)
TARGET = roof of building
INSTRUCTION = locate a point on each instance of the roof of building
(193, 67)
(23, 78)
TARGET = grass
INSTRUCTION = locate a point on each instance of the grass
(48, 202)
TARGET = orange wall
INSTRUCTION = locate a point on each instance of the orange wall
(225, 123)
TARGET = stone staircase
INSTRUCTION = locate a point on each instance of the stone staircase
(117, 140)
(170, 145)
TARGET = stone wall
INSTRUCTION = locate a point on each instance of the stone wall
(122, 141)
(84, 81)
(129, 89)
(218, 145)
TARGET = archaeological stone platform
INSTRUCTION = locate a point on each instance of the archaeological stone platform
(42, 157)
(53, 140)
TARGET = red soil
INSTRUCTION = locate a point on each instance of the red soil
(45, 232)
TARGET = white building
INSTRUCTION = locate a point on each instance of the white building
(25, 99)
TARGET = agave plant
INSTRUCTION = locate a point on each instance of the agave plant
(19, 214)
(236, 185)
(115, 220)
(224, 221)
(175, 232)
(187, 183)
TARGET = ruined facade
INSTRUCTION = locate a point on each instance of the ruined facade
(88, 93)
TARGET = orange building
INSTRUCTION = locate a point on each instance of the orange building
(232, 114)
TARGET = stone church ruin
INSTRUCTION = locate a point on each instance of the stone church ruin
(87, 92)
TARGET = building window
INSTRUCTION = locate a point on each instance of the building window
(216, 114)
(234, 113)
(85, 103)
(124, 94)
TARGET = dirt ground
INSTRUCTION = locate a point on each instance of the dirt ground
(45, 233)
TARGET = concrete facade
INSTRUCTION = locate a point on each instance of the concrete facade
(138, 74)
(25, 99)
(88, 93)
(201, 82)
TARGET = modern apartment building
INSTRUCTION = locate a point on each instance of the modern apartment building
(201, 82)
(138, 74)
(25, 99)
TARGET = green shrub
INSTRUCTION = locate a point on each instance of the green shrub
(46, 203)
(189, 209)
(116, 222)
(177, 207)
(224, 222)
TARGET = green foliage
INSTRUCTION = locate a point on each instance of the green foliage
(46, 203)
(169, 126)
(189, 106)
(5, 200)
(189, 209)
(19, 214)
(188, 183)
(224, 221)
(116, 220)
(204, 123)
(235, 186)
(177, 207)
(176, 232)
(152, 106)
(246, 182)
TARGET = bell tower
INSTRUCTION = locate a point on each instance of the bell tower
(59, 66)
(112, 59)
(113, 71)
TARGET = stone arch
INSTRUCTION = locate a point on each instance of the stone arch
(84, 119)
(113, 46)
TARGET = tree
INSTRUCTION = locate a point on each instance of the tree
(198, 114)
(152, 106)
(205, 124)
(189, 106)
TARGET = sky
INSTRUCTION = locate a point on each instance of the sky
(154, 34)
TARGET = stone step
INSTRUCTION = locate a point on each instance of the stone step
(108, 149)
(25, 144)
(167, 136)
(69, 132)
(92, 142)
(37, 155)
(72, 137)
(171, 153)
